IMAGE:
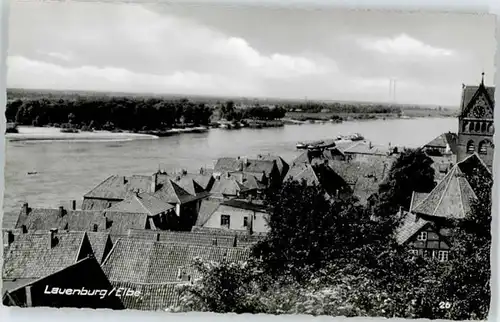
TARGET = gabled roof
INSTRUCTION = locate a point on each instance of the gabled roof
(120, 222)
(118, 187)
(173, 188)
(280, 163)
(142, 203)
(85, 273)
(144, 261)
(443, 141)
(305, 172)
(245, 165)
(31, 255)
(470, 93)
(99, 241)
(207, 208)
(227, 186)
(410, 226)
(171, 192)
(452, 196)
(364, 178)
(364, 147)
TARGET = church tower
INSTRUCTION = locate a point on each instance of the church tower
(475, 123)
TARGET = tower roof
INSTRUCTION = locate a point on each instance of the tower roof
(453, 195)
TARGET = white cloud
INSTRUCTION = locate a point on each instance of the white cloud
(47, 75)
(131, 42)
(404, 45)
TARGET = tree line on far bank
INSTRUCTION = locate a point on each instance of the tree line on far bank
(341, 258)
(108, 113)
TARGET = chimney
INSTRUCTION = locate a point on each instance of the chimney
(124, 180)
(154, 182)
(73, 204)
(61, 211)
(53, 238)
(94, 227)
(157, 237)
(10, 237)
(26, 208)
(24, 229)
(235, 241)
(214, 242)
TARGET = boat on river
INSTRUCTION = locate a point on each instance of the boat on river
(328, 143)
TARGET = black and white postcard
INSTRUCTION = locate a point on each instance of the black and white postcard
(174, 157)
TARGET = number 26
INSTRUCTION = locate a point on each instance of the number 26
(444, 305)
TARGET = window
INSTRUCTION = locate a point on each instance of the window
(470, 147)
(483, 147)
(414, 252)
(422, 236)
(443, 255)
(225, 221)
(245, 221)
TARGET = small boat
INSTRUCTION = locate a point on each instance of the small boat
(30, 173)
(355, 137)
(301, 145)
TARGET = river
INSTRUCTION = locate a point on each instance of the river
(66, 170)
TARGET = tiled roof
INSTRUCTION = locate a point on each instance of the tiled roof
(120, 222)
(469, 91)
(75, 220)
(364, 147)
(118, 187)
(417, 198)
(171, 192)
(364, 178)
(114, 222)
(168, 190)
(244, 238)
(154, 297)
(410, 226)
(245, 165)
(207, 208)
(144, 261)
(443, 141)
(184, 237)
(99, 242)
(227, 186)
(142, 203)
(451, 197)
(300, 172)
(95, 204)
(245, 204)
(31, 254)
(280, 163)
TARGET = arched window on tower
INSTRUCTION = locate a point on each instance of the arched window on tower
(483, 127)
(490, 128)
(483, 147)
(477, 127)
(470, 147)
(465, 126)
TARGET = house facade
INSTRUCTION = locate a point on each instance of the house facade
(237, 215)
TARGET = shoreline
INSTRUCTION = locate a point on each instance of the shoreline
(28, 133)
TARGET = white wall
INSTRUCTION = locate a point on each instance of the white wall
(236, 221)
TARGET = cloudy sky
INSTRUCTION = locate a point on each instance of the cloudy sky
(248, 51)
